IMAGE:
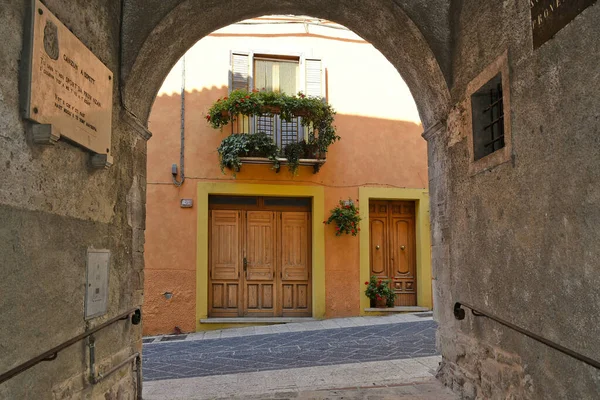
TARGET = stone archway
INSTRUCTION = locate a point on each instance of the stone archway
(150, 51)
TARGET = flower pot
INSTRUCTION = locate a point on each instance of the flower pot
(301, 113)
(224, 113)
(381, 303)
(271, 109)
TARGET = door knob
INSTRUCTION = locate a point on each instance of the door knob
(377, 247)
(402, 247)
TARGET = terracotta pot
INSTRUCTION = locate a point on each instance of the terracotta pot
(381, 303)
(224, 113)
(301, 113)
(271, 109)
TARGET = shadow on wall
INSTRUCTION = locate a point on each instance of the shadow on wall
(372, 152)
(389, 145)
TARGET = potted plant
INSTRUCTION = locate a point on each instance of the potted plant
(380, 292)
(245, 145)
(346, 217)
(317, 117)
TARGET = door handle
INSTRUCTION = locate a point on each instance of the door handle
(402, 247)
(245, 264)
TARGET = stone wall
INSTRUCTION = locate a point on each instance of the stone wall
(53, 206)
(521, 240)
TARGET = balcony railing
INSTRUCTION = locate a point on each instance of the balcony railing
(282, 132)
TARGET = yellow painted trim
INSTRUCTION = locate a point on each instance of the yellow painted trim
(317, 193)
(424, 275)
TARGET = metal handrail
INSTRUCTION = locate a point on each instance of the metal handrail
(459, 314)
(53, 353)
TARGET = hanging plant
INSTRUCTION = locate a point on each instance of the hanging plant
(346, 217)
(245, 145)
(317, 117)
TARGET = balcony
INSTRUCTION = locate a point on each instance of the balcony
(273, 128)
(284, 134)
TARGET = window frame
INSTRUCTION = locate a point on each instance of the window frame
(504, 154)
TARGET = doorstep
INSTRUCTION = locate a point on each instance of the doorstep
(403, 309)
(256, 320)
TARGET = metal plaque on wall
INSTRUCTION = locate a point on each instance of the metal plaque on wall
(65, 84)
(550, 16)
(96, 286)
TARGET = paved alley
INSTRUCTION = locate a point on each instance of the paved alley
(386, 357)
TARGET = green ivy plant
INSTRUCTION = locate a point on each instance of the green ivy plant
(245, 145)
(346, 217)
(317, 117)
(378, 289)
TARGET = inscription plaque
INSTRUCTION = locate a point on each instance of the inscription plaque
(550, 16)
(66, 85)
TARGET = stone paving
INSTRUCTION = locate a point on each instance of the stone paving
(360, 343)
(409, 379)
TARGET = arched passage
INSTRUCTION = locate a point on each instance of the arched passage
(154, 51)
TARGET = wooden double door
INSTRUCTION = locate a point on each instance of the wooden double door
(392, 247)
(259, 262)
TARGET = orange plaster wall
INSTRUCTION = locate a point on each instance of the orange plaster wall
(372, 152)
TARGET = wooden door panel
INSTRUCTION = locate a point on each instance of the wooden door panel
(401, 254)
(378, 246)
(260, 245)
(260, 255)
(403, 261)
(294, 246)
(224, 263)
(295, 264)
(259, 296)
(225, 245)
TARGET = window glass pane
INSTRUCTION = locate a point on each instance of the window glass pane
(233, 200)
(263, 75)
(287, 77)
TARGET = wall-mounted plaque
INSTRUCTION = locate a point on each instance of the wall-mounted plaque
(550, 16)
(66, 87)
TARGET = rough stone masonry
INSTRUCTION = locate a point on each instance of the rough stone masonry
(518, 239)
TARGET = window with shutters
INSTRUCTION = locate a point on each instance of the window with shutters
(279, 73)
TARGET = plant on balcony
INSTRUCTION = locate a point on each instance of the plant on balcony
(317, 116)
(346, 217)
(244, 145)
(380, 292)
(293, 152)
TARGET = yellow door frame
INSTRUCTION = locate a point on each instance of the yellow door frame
(423, 240)
(317, 194)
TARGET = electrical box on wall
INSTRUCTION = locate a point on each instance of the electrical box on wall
(96, 286)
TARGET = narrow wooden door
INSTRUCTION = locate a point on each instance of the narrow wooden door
(224, 263)
(295, 264)
(402, 255)
(259, 264)
(393, 247)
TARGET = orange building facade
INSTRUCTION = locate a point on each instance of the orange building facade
(206, 237)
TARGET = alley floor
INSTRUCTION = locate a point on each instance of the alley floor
(351, 358)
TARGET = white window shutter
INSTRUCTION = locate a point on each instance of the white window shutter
(239, 72)
(314, 77)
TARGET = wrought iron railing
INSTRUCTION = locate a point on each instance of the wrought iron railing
(52, 354)
(459, 314)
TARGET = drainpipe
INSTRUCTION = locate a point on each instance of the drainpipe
(176, 182)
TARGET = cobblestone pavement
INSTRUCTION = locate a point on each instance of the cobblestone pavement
(324, 347)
